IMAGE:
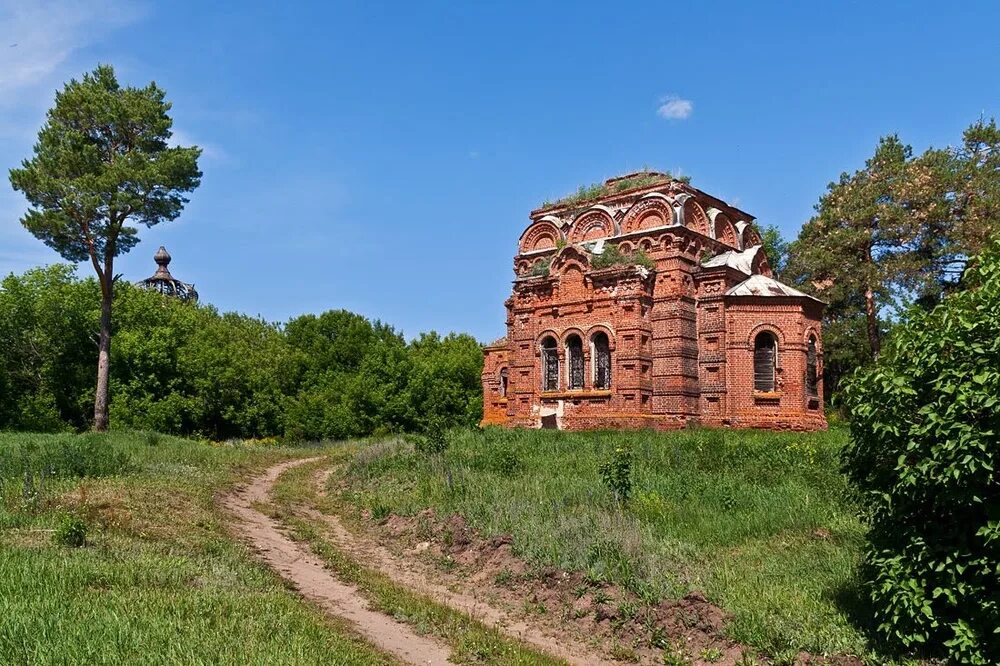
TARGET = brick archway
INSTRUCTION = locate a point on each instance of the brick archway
(593, 224)
(649, 212)
(540, 236)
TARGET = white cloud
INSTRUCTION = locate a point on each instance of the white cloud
(40, 48)
(18, 249)
(673, 107)
(37, 37)
(210, 152)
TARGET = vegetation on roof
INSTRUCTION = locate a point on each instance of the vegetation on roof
(541, 269)
(612, 256)
(594, 191)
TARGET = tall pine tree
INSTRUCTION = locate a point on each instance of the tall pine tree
(101, 165)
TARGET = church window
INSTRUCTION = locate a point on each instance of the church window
(550, 365)
(602, 361)
(765, 355)
(812, 375)
(574, 353)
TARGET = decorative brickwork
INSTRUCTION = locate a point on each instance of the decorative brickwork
(626, 347)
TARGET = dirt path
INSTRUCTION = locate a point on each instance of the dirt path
(307, 573)
(411, 575)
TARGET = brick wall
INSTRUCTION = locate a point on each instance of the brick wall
(681, 350)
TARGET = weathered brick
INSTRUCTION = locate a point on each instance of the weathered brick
(681, 346)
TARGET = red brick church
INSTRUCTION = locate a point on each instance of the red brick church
(647, 303)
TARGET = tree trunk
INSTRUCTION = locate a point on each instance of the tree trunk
(103, 356)
(872, 315)
(871, 309)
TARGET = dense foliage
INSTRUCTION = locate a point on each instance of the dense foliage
(898, 231)
(925, 454)
(102, 164)
(188, 369)
(775, 248)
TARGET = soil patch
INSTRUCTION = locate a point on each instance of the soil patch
(569, 609)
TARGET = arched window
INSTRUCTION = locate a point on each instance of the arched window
(765, 356)
(812, 376)
(602, 361)
(503, 383)
(574, 355)
(550, 365)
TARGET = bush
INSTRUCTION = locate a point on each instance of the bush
(541, 269)
(187, 369)
(612, 256)
(71, 531)
(504, 461)
(434, 442)
(924, 455)
(616, 473)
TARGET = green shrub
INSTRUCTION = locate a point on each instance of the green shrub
(187, 369)
(503, 461)
(541, 269)
(432, 443)
(924, 456)
(71, 531)
(612, 256)
(616, 473)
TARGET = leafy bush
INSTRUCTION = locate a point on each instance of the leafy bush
(47, 354)
(616, 473)
(612, 256)
(924, 454)
(71, 531)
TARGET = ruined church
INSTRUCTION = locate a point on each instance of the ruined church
(647, 303)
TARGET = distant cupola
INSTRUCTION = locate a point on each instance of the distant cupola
(165, 283)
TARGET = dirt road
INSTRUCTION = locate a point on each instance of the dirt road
(313, 581)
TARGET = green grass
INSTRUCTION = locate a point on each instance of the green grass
(758, 521)
(471, 641)
(161, 580)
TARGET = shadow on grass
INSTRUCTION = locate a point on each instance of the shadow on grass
(852, 600)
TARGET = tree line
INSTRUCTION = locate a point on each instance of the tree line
(897, 233)
(189, 369)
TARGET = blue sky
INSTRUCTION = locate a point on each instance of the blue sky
(383, 157)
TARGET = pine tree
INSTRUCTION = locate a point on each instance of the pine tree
(101, 165)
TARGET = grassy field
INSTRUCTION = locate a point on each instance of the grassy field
(760, 522)
(160, 580)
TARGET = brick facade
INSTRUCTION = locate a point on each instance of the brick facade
(700, 334)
